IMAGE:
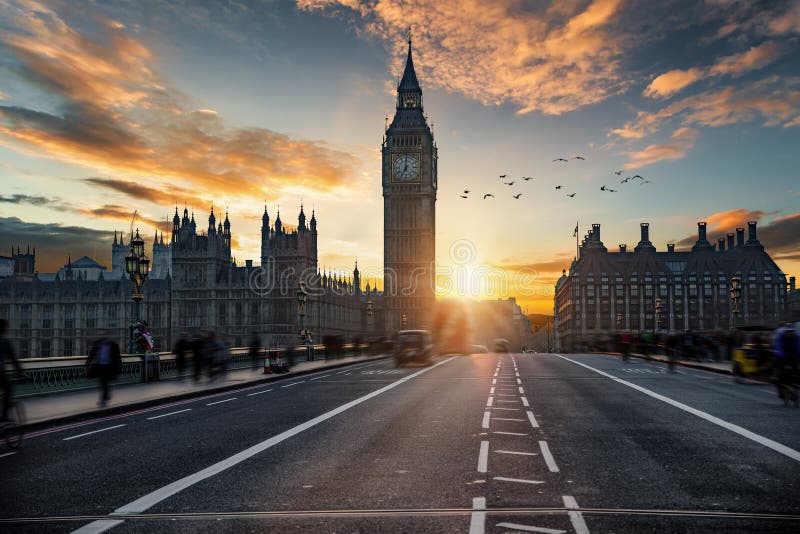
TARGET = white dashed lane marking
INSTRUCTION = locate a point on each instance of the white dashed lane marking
(168, 414)
(94, 432)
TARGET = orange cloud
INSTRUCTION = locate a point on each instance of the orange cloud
(755, 58)
(117, 115)
(683, 138)
(495, 52)
(671, 82)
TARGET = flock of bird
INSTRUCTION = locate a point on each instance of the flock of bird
(506, 180)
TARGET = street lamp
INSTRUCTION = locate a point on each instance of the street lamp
(404, 320)
(736, 295)
(659, 313)
(302, 298)
(137, 265)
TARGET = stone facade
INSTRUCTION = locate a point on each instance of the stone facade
(607, 292)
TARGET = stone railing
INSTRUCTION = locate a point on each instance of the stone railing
(67, 373)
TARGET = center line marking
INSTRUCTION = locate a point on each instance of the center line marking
(520, 480)
(260, 392)
(774, 445)
(219, 402)
(526, 528)
(491, 390)
(508, 409)
(575, 517)
(94, 432)
(532, 419)
(521, 390)
(486, 416)
(506, 395)
(7, 454)
(519, 381)
(509, 433)
(506, 401)
(170, 413)
(548, 457)
(517, 452)
(323, 376)
(295, 383)
(477, 522)
(494, 381)
(483, 457)
(507, 419)
(525, 401)
(489, 402)
(151, 499)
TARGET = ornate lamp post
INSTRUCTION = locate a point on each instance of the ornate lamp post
(659, 313)
(619, 320)
(404, 320)
(736, 295)
(137, 265)
(302, 298)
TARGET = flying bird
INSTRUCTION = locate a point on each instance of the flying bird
(466, 191)
(645, 182)
(602, 188)
(558, 187)
(560, 159)
(625, 180)
(463, 196)
(578, 157)
(511, 182)
(611, 190)
(503, 176)
(572, 195)
(618, 173)
(517, 196)
(487, 195)
(526, 178)
(639, 176)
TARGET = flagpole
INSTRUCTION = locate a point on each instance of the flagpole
(577, 246)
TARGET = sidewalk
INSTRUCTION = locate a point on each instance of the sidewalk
(60, 407)
(715, 367)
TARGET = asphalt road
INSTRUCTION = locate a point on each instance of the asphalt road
(483, 443)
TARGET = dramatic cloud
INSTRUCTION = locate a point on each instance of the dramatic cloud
(56, 241)
(25, 199)
(114, 113)
(724, 222)
(671, 82)
(552, 59)
(682, 140)
(173, 195)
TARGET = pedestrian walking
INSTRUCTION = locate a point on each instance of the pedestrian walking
(256, 361)
(182, 346)
(198, 355)
(104, 363)
(7, 356)
(786, 356)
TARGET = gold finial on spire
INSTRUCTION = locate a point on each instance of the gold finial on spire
(409, 36)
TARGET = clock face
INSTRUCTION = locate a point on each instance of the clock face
(405, 168)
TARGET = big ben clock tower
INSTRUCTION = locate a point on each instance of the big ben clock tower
(409, 166)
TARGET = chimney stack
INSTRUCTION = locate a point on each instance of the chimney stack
(730, 241)
(721, 244)
(596, 232)
(670, 247)
(791, 283)
(739, 237)
(751, 232)
(645, 229)
(701, 231)
(623, 248)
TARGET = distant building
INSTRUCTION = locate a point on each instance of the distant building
(608, 292)
(793, 301)
(500, 319)
(194, 285)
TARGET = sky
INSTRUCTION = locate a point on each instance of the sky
(111, 107)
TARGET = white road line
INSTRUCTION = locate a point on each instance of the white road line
(94, 432)
(7, 454)
(507, 401)
(220, 402)
(525, 401)
(506, 395)
(548, 457)
(491, 390)
(483, 457)
(509, 433)
(575, 517)
(295, 383)
(521, 390)
(532, 419)
(526, 528)
(774, 445)
(507, 419)
(507, 409)
(477, 522)
(259, 392)
(520, 480)
(318, 377)
(518, 452)
(489, 402)
(486, 416)
(494, 381)
(519, 381)
(167, 414)
(151, 499)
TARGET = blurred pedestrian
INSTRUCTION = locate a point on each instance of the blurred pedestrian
(104, 363)
(182, 346)
(7, 356)
(256, 360)
(786, 356)
(198, 355)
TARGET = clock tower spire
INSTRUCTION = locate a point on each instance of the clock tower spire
(409, 171)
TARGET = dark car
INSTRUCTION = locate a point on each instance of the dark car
(413, 346)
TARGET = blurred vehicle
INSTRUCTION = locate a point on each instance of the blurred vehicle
(753, 357)
(478, 349)
(413, 346)
(501, 345)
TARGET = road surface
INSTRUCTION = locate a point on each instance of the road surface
(484, 443)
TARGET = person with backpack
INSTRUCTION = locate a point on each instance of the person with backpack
(104, 363)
